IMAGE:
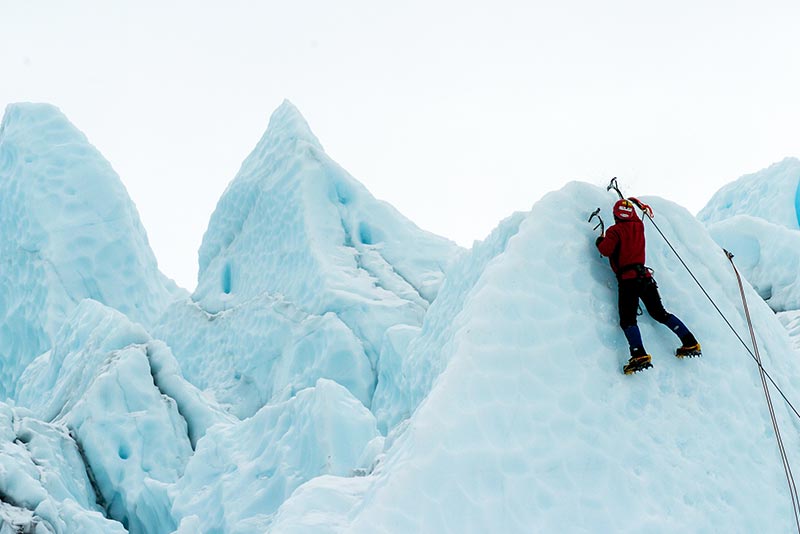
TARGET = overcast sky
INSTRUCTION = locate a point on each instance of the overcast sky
(458, 113)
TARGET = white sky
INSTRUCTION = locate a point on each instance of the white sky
(456, 112)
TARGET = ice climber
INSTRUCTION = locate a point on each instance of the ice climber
(624, 245)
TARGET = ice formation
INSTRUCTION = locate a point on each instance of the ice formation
(772, 194)
(301, 273)
(68, 231)
(338, 369)
(241, 473)
(103, 381)
(755, 218)
(530, 426)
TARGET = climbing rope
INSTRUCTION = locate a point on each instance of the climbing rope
(744, 344)
(762, 372)
(786, 468)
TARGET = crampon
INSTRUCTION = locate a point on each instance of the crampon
(692, 351)
(636, 364)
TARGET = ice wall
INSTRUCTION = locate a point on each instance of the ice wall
(135, 419)
(68, 231)
(264, 351)
(531, 426)
(772, 194)
(302, 272)
(44, 484)
(768, 256)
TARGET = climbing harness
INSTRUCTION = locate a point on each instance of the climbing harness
(754, 354)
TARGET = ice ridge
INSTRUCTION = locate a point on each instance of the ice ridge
(68, 231)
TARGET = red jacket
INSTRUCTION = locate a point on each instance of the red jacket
(624, 246)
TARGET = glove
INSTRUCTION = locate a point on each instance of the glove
(642, 206)
(598, 240)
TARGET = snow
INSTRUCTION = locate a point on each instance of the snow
(338, 369)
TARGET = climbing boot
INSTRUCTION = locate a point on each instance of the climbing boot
(637, 363)
(689, 351)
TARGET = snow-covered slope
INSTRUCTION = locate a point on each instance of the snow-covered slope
(302, 272)
(530, 426)
(68, 231)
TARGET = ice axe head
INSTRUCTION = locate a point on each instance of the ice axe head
(613, 185)
(596, 213)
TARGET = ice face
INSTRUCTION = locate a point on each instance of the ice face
(772, 194)
(302, 272)
(768, 256)
(411, 364)
(323, 319)
(68, 231)
(756, 218)
(531, 426)
(264, 351)
(295, 224)
(45, 485)
(134, 418)
(321, 430)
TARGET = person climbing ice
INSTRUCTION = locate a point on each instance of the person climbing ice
(624, 245)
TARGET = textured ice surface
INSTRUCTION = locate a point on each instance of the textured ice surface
(293, 223)
(68, 231)
(531, 426)
(301, 273)
(772, 194)
(768, 255)
(43, 481)
(107, 381)
(756, 218)
(499, 390)
(408, 370)
(241, 473)
(264, 350)
(791, 320)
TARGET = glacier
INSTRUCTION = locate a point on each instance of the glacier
(338, 369)
(68, 231)
(757, 216)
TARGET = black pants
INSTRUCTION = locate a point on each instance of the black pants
(646, 289)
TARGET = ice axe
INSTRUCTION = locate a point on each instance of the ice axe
(596, 213)
(647, 210)
(613, 185)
